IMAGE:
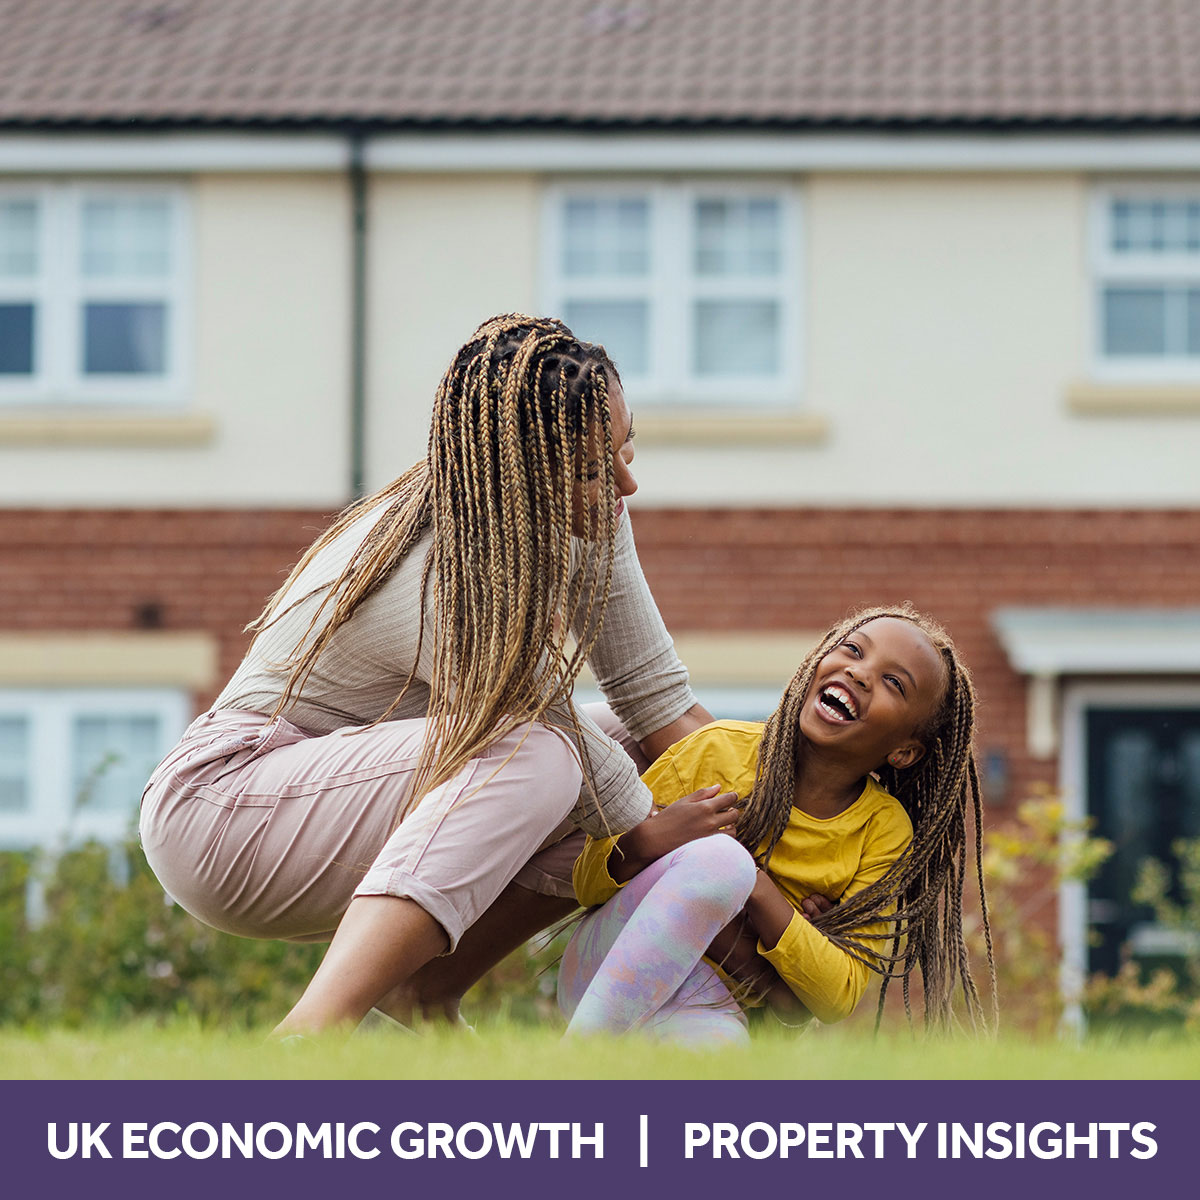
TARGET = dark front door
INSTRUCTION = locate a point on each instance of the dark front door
(1143, 785)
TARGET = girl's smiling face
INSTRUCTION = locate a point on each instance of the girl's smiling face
(873, 693)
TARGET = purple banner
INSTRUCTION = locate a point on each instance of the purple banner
(176, 1141)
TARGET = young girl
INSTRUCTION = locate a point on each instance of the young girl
(858, 789)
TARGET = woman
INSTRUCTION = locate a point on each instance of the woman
(400, 737)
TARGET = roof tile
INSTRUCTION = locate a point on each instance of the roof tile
(627, 62)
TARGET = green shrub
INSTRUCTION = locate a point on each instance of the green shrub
(108, 946)
(105, 945)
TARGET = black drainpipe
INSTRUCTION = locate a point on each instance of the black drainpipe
(357, 174)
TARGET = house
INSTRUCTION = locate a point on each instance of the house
(905, 295)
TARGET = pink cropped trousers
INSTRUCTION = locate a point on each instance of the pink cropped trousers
(260, 829)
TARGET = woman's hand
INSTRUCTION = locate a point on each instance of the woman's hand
(698, 815)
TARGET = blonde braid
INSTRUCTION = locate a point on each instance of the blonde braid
(513, 419)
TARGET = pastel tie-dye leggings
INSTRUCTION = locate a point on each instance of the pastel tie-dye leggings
(636, 962)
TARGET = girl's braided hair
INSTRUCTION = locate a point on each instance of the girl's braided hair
(521, 424)
(918, 903)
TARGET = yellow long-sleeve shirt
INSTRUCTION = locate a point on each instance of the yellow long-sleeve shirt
(836, 857)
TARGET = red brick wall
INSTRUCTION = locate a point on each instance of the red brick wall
(178, 570)
(711, 570)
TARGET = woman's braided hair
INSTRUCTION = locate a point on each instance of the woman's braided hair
(521, 421)
(918, 903)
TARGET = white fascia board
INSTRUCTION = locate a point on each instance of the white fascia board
(1081, 641)
(48, 154)
(740, 153)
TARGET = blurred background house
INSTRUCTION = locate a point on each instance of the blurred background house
(905, 295)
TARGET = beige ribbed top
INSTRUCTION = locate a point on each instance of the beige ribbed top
(374, 652)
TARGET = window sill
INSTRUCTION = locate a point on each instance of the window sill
(738, 660)
(691, 426)
(186, 660)
(1134, 400)
(76, 427)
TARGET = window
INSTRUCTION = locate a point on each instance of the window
(92, 293)
(1146, 255)
(73, 763)
(694, 288)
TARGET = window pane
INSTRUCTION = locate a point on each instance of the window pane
(14, 764)
(1119, 227)
(112, 759)
(606, 236)
(121, 238)
(18, 239)
(16, 339)
(124, 339)
(736, 338)
(1155, 227)
(1135, 321)
(737, 237)
(622, 327)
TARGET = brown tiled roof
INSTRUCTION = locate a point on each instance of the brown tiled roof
(409, 63)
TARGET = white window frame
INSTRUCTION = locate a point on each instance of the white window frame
(52, 819)
(671, 287)
(1153, 270)
(60, 290)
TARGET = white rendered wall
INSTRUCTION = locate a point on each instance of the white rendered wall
(447, 252)
(273, 335)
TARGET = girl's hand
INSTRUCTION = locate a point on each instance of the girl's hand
(815, 905)
(698, 815)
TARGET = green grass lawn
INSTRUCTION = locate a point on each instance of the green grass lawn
(507, 1051)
